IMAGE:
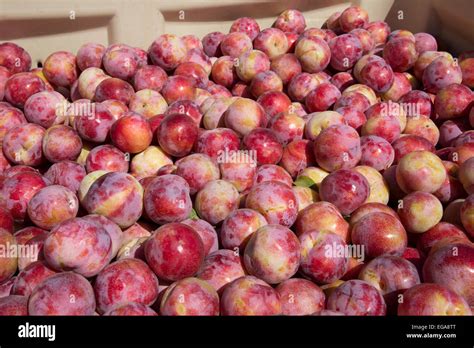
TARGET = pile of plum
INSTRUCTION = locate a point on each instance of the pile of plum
(283, 171)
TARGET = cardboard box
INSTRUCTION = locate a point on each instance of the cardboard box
(45, 26)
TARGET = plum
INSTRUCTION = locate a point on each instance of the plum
(272, 254)
(250, 296)
(190, 296)
(174, 251)
(357, 297)
(66, 293)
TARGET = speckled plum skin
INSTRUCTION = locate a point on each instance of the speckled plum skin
(376, 152)
(6, 220)
(186, 107)
(118, 196)
(66, 173)
(438, 233)
(346, 189)
(63, 249)
(8, 263)
(14, 305)
(18, 190)
(240, 170)
(300, 86)
(10, 117)
(378, 75)
(368, 208)
(250, 296)
(131, 133)
(410, 143)
(96, 127)
(290, 20)
(211, 43)
(174, 251)
(22, 144)
(419, 211)
(272, 254)
(400, 53)
(113, 230)
(190, 296)
(322, 97)
(337, 147)
(115, 89)
(149, 77)
(213, 142)
(380, 233)
(452, 266)
(235, 43)
(323, 217)
(42, 108)
(440, 73)
(390, 274)
(14, 57)
(265, 81)
(106, 157)
(177, 134)
(423, 127)
(123, 281)
(420, 171)
(320, 259)
(266, 145)
(272, 172)
(60, 68)
(286, 66)
(239, 226)
(356, 297)
(90, 55)
(352, 18)
(21, 86)
(220, 268)
(313, 53)
(197, 169)
(244, 115)
(275, 201)
(120, 61)
(30, 277)
(52, 205)
(207, 233)
(167, 51)
(223, 71)
(61, 143)
(131, 309)
(384, 126)
(379, 30)
(346, 50)
(453, 101)
(216, 200)
(466, 215)
(297, 155)
(167, 199)
(272, 42)
(66, 293)
(432, 299)
(300, 297)
(179, 87)
(88, 81)
(148, 103)
(250, 63)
